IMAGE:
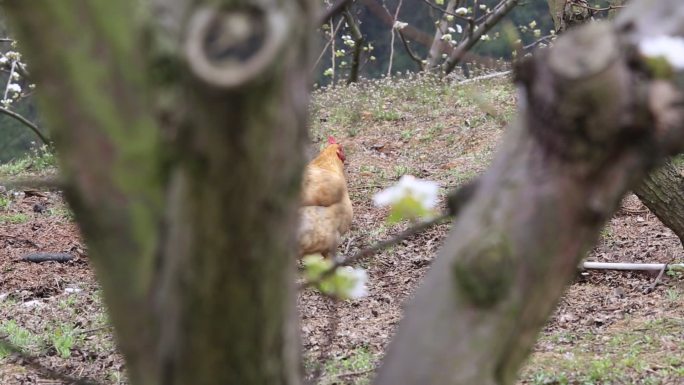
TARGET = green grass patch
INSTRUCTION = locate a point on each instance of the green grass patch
(39, 160)
(623, 354)
(356, 369)
(15, 218)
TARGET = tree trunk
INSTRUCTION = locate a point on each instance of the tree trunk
(589, 127)
(435, 53)
(662, 191)
(181, 140)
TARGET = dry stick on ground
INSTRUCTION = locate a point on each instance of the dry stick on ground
(50, 373)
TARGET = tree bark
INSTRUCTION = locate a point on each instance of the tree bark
(662, 191)
(435, 53)
(182, 148)
(589, 128)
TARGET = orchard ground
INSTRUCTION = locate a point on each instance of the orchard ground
(608, 328)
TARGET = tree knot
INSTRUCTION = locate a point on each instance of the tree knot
(485, 273)
(228, 48)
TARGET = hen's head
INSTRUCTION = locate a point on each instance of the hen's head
(340, 150)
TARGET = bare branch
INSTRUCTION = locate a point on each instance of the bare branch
(410, 52)
(331, 12)
(446, 12)
(394, 32)
(27, 123)
(327, 44)
(492, 19)
(358, 45)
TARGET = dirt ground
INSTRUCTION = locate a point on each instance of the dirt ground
(54, 311)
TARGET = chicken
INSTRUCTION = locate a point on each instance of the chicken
(326, 210)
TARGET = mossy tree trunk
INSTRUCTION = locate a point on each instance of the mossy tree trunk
(181, 140)
(180, 128)
(663, 191)
(591, 124)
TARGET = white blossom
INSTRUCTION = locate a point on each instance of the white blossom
(461, 11)
(459, 29)
(671, 48)
(399, 25)
(483, 6)
(423, 191)
(3, 60)
(446, 37)
(485, 37)
(451, 30)
(359, 280)
(14, 87)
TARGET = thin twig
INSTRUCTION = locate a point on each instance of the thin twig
(351, 374)
(656, 281)
(391, 57)
(88, 331)
(456, 15)
(608, 8)
(367, 252)
(27, 123)
(327, 44)
(331, 12)
(32, 362)
(474, 36)
(9, 79)
(538, 41)
(411, 54)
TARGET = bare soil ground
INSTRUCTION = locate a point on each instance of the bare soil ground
(607, 329)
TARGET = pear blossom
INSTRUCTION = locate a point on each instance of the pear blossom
(399, 25)
(358, 279)
(459, 29)
(14, 87)
(461, 11)
(423, 191)
(671, 48)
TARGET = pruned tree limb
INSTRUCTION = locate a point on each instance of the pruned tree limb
(593, 120)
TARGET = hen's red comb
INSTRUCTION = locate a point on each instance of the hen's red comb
(331, 140)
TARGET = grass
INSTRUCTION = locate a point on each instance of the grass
(18, 336)
(629, 353)
(38, 160)
(356, 368)
(15, 218)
